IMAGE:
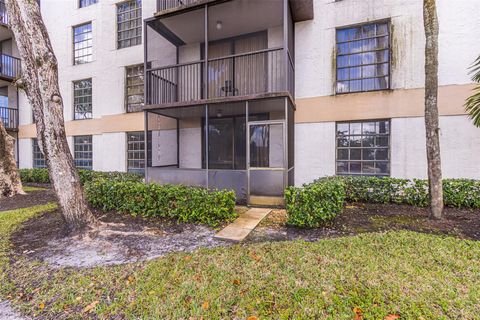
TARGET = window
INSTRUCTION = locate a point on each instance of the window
(129, 24)
(363, 148)
(363, 58)
(82, 99)
(82, 43)
(86, 3)
(38, 158)
(83, 154)
(134, 88)
(136, 152)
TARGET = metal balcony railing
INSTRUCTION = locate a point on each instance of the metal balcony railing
(245, 74)
(10, 67)
(9, 117)
(171, 4)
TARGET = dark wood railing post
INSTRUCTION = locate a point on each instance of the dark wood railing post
(205, 76)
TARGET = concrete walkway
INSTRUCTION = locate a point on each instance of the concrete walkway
(238, 230)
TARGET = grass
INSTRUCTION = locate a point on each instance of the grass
(411, 274)
(32, 188)
(9, 221)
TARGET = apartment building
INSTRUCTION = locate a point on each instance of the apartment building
(255, 95)
(99, 48)
(9, 70)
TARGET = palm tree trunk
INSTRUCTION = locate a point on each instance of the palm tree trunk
(10, 183)
(40, 83)
(431, 109)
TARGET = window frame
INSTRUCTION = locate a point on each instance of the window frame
(387, 21)
(73, 43)
(73, 100)
(127, 86)
(75, 158)
(79, 2)
(128, 151)
(35, 160)
(117, 23)
(388, 148)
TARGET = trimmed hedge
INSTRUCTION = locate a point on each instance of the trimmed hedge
(315, 203)
(323, 199)
(41, 176)
(461, 193)
(34, 175)
(185, 204)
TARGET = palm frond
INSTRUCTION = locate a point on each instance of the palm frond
(475, 70)
(472, 105)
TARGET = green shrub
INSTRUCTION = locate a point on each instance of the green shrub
(41, 176)
(186, 204)
(373, 189)
(34, 175)
(462, 193)
(90, 175)
(314, 204)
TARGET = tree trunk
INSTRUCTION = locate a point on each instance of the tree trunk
(10, 183)
(40, 83)
(431, 109)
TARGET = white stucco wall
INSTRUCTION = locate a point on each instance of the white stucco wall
(314, 151)
(459, 146)
(26, 153)
(315, 45)
(164, 147)
(191, 148)
(109, 152)
(315, 41)
(459, 143)
(107, 71)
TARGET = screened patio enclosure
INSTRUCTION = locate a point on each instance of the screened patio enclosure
(245, 146)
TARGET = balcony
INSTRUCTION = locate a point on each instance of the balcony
(302, 10)
(240, 75)
(10, 67)
(219, 52)
(9, 117)
(168, 5)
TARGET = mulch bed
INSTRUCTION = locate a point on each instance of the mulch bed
(31, 199)
(127, 239)
(357, 218)
(360, 218)
(159, 236)
(36, 233)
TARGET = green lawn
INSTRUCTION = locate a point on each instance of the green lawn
(414, 275)
(32, 188)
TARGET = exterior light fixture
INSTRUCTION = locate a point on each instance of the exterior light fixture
(219, 25)
(219, 113)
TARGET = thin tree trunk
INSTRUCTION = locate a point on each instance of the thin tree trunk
(40, 83)
(10, 183)
(431, 109)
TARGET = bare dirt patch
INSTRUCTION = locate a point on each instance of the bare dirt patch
(8, 313)
(131, 239)
(30, 199)
(125, 239)
(360, 218)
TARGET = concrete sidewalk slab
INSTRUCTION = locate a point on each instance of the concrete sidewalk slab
(238, 230)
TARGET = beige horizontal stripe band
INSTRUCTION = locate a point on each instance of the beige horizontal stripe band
(356, 106)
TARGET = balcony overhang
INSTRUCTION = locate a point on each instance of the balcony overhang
(223, 100)
(302, 10)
